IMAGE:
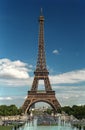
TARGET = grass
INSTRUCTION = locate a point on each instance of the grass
(6, 127)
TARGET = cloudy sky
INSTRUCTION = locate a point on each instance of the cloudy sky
(64, 43)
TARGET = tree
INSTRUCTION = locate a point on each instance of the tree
(9, 110)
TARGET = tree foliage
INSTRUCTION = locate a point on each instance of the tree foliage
(77, 111)
(9, 110)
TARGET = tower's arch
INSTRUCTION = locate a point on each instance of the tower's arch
(40, 100)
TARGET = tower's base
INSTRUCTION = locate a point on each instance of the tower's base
(33, 97)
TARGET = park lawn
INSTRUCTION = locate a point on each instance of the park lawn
(6, 127)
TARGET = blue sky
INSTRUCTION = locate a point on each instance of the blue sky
(64, 43)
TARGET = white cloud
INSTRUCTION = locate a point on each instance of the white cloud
(16, 82)
(70, 95)
(71, 98)
(16, 73)
(55, 51)
(5, 98)
(75, 76)
(13, 69)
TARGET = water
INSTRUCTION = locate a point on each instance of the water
(33, 126)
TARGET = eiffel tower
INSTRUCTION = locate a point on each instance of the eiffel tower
(41, 73)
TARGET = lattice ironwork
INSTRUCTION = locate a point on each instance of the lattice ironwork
(41, 73)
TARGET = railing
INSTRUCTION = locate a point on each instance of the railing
(41, 91)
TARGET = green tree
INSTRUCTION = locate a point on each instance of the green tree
(9, 110)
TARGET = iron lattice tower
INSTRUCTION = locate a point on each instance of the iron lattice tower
(41, 73)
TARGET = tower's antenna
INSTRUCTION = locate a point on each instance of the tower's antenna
(41, 11)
